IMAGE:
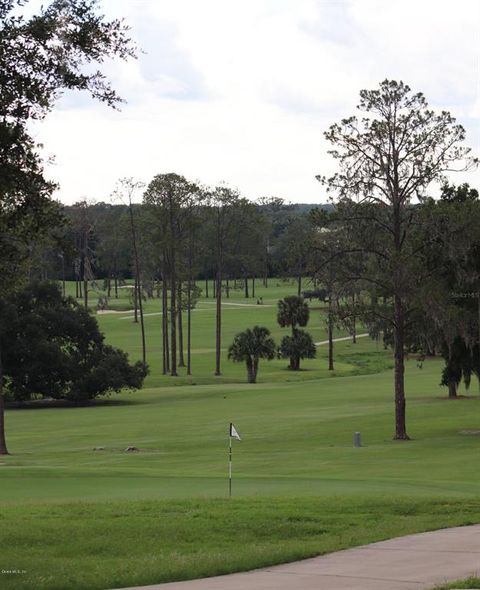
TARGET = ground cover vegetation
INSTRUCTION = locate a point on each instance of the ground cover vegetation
(469, 583)
(195, 274)
(98, 546)
(296, 468)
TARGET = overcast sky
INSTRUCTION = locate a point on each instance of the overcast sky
(241, 91)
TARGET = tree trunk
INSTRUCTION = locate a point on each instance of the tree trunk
(109, 287)
(253, 287)
(142, 324)
(251, 377)
(255, 368)
(246, 286)
(189, 325)
(85, 292)
(218, 291)
(299, 285)
(63, 277)
(206, 288)
(173, 327)
(400, 402)
(138, 286)
(135, 300)
(173, 295)
(115, 275)
(85, 271)
(166, 352)
(452, 389)
(181, 358)
(354, 321)
(330, 334)
(479, 329)
(265, 268)
(227, 289)
(218, 327)
(3, 444)
(295, 363)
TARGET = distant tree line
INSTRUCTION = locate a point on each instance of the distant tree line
(95, 244)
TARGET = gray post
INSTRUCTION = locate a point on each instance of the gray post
(357, 440)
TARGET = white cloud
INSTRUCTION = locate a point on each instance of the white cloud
(241, 91)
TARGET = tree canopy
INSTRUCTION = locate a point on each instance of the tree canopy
(387, 159)
(53, 348)
(250, 346)
(41, 56)
(293, 311)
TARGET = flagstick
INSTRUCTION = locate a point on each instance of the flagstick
(230, 467)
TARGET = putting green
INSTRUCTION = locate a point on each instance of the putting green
(297, 440)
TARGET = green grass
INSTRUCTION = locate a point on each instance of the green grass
(238, 313)
(86, 546)
(297, 440)
(467, 583)
(74, 517)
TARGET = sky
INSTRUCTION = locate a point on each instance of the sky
(241, 91)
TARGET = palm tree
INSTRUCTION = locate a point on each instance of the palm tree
(296, 347)
(250, 346)
(292, 311)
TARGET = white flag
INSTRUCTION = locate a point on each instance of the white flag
(233, 432)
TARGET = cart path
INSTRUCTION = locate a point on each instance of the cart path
(340, 339)
(196, 309)
(415, 562)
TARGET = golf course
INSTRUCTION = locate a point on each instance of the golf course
(80, 512)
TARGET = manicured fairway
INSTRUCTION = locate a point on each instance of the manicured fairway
(77, 518)
(238, 313)
(297, 440)
(300, 488)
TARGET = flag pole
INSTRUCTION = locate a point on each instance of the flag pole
(230, 464)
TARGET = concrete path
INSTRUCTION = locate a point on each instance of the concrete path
(340, 339)
(416, 562)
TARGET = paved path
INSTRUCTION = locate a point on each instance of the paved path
(416, 562)
(340, 339)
